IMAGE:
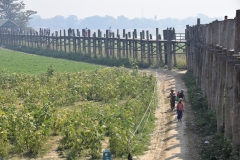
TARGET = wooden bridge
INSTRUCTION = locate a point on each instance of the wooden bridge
(213, 54)
(142, 48)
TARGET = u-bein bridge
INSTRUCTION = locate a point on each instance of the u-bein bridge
(130, 46)
(213, 54)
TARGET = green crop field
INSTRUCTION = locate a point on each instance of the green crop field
(18, 62)
(79, 113)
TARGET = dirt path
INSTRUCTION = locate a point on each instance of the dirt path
(171, 139)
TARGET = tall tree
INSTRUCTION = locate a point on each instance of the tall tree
(14, 10)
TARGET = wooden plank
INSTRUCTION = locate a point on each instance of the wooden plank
(233, 62)
(157, 48)
(225, 58)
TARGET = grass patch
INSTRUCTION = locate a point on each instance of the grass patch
(18, 62)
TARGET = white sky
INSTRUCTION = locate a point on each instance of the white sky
(134, 8)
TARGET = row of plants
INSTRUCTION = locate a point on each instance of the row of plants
(206, 124)
(82, 107)
(78, 57)
(181, 59)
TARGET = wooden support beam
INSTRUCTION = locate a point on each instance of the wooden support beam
(224, 57)
(233, 62)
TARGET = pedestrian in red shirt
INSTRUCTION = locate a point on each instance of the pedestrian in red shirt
(180, 109)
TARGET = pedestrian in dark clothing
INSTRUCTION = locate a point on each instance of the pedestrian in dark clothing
(130, 156)
(181, 95)
(172, 97)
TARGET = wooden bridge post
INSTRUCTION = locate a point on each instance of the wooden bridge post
(229, 98)
(148, 48)
(221, 76)
(113, 45)
(136, 44)
(52, 42)
(79, 41)
(60, 40)
(165, 46)
(133, 45)
(118, 46)
(174, 48)
(187, 45)
(237, 33)
(124, 33)
(214, 70)
(157, 48)
(160, 49)
(209, 87)
(40, 38)
(204, 61)
(84, 31)
(144, 48)
(130, 44)
(89, 42)
(36, 37)
(48, 41)
(100, 43)
(151, 48)
(94, 45)
(57, 40)
(199, 54)
(169, 54)
(236, 108)
(124, 47)
(141, 46)
(69, 40)
(31, 39)
(74, 41)
(126, 39)
(106, 44)
(64, 38)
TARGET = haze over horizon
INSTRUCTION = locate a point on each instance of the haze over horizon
(134, 8)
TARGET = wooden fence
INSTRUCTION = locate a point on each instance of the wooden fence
(213, 54)
(144, 49)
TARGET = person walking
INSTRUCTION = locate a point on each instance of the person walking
(180, 109)
(110, 32)
(172, 97)
(181, 95)
(86, 32)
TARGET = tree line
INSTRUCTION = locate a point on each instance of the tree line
(121, 22)
(15, 10)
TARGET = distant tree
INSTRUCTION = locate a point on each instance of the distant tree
(71, 21)
(14, 10)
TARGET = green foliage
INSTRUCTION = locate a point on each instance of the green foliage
(15, 10)
(219, 147)
(206, 124)
(111, 102)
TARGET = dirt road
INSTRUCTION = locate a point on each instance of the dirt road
(171, 139)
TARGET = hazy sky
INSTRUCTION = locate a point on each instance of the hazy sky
(134, 8)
